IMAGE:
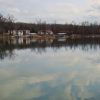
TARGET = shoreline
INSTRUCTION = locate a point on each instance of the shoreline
(50, 37)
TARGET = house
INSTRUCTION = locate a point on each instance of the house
(49, 32)
(20, 32)
(45, 32)
(40, 32)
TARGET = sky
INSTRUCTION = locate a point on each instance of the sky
(59, 11)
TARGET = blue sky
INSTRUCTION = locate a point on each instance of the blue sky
(61, 11)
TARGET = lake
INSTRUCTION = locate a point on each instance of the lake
(49, 69)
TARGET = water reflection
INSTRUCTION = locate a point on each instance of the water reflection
(7, 46)
(41, 70)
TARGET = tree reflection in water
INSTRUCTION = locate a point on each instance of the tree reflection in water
(7, 46)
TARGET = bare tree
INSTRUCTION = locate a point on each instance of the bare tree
(10, 24)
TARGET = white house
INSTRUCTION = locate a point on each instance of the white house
(40, 32)
(47, 32)
(20, 32)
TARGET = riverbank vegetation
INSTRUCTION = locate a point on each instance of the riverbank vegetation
(8, 24)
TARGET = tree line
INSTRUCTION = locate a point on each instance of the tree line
(8, 24)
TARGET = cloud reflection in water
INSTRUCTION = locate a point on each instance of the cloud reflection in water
(61, 75)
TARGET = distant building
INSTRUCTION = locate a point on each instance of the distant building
(40, 32)
(19, 32)
(47, 32)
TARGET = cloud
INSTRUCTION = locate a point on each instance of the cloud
(51, 10)
(94, 1)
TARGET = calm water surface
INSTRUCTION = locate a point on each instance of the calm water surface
(50, 73)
